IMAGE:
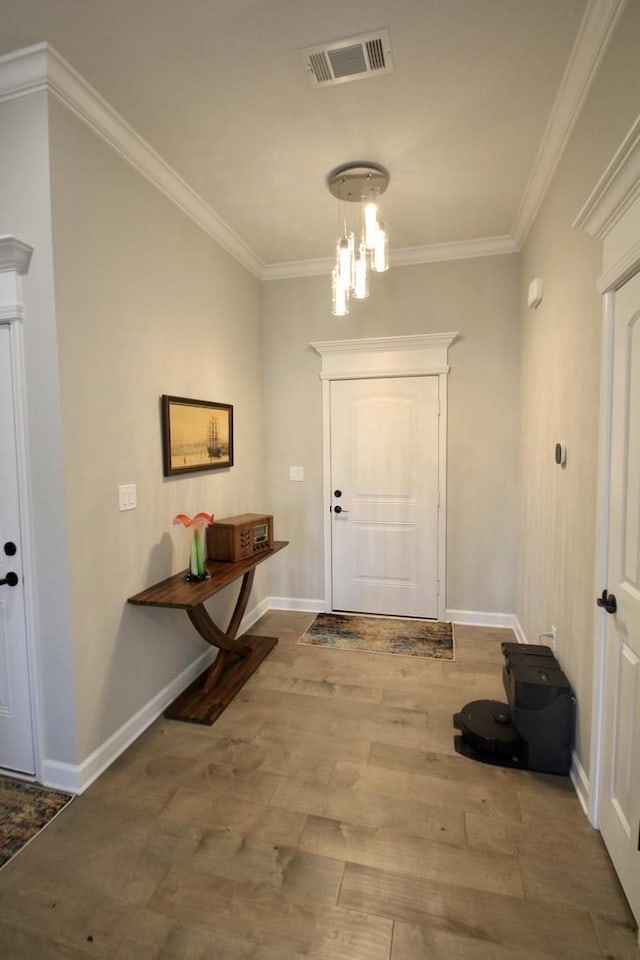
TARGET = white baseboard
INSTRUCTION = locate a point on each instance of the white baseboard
(475, 618)
(254, 614)
(295, 603)
(519, 630)
(75, 778)
(580, 782)
(481, 618)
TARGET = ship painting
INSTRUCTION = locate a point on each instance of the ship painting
(197, 435)
(214, 447)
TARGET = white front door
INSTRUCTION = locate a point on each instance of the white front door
(384, 495)
(620, 784)
(16, 736)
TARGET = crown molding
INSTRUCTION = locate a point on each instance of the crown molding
(616, 189)
(403, 257)
(40, 67)
(23, 72)
(598, 24)
(455, 250)
(297, 268)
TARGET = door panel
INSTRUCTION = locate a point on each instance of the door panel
(16, 742)
(625, 709)
(620, 797)
(384, 462)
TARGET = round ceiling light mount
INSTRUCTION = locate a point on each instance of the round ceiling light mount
(357, 181)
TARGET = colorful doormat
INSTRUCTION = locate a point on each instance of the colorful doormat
(408, 638)
(25, 808)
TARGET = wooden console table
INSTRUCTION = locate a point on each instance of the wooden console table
(204, 700)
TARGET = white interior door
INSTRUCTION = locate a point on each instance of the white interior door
(384, 486)
(16, 736)
(620, 784)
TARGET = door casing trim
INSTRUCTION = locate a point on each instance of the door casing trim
(612, 201)
(383, 357)
(15, 257)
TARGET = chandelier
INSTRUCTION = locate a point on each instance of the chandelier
(362, 183)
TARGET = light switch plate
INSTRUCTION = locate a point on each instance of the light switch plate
(536, 292)
(127, 496)
(296, 473)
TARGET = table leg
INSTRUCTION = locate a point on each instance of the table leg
(215, 671)
(241, 603)
(212, 634)
(205, 699)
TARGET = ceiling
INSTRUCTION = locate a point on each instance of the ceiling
(218, 89)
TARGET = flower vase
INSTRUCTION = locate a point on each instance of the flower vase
(197, 570)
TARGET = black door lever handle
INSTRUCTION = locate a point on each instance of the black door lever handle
(11, 580)
(608, 602)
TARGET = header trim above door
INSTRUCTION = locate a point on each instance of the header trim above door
(385, 356)
(14, 262)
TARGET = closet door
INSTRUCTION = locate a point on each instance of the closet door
(620, 784)
(16, 737)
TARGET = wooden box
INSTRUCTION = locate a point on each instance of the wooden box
(236, 538)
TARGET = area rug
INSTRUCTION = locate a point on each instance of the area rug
(408, 638)
(25, 808)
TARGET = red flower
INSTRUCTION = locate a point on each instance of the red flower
(197, 522)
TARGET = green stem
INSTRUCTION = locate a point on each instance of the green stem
(199, 553)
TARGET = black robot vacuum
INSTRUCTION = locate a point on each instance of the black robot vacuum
(535, 729)
(487, 734)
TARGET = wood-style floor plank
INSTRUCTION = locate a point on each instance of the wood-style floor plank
(487, 917)
(414, 942)
(273, 825)
(459, 793)
(324, 816)
(275, 757)
(411, 856)
(273, 918)
(272, 676)
(373, 810)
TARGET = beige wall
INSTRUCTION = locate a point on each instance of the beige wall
(478, 298)
(146, 304)
(560, 383)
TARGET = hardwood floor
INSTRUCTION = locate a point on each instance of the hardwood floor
(325, 815)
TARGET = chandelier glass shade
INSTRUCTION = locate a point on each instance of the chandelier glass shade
(358, 183)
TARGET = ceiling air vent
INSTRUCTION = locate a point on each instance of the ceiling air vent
(353, 58)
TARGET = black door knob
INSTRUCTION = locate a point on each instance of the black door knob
(11, 580)
(10, 549)
(608, 602)
(337, 509)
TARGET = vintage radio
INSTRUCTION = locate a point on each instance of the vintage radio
(236, 538)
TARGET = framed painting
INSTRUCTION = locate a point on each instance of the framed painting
(196, 435)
